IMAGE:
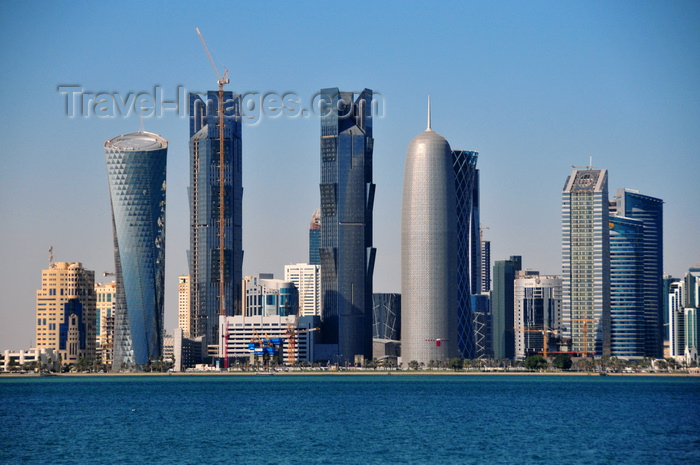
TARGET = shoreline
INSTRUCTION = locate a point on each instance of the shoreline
(349, 373)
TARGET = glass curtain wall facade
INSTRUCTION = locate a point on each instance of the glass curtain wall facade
(136, 169)
(387, 316)
(586, 261)
(347, 202)
(315, 238)
(468, 246)
(649, 210)
(627, 325)
(204, 253)
(503, 306)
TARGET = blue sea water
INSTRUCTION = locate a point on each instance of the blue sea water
(350, 419)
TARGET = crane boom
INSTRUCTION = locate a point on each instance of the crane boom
(206, 50)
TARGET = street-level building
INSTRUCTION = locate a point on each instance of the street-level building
(537, 313)
(247, 334)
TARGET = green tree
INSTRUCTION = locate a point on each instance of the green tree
(536, 362)
(562, 361)
(455, 363)
(413, 365)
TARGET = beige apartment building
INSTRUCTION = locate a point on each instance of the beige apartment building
(184, 313)
(106, 296)
(65, 311)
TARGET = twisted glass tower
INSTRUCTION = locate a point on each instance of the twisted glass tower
(347, 200)
(136, 169)
(429, 251)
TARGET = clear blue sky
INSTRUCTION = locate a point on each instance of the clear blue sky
(535, 87)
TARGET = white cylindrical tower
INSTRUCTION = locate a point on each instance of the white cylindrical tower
(428, 251)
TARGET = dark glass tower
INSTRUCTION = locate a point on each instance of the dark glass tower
(632, 204)
(347, 199)
(204, 253)
(468, 246)
(503, 306)
(627, 323)
(136, 168)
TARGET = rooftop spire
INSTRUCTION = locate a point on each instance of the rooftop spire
(429, 128)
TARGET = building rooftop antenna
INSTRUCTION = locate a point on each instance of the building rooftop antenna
(429, 115)
(589, 167)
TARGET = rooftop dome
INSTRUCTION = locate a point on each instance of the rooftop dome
(137, 141)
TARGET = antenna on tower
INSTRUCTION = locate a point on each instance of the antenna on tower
(589, 167)
(50, 256)
(429, 116)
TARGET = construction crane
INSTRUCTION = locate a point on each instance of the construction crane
(544, 331)
(481, 233)
(585, 331)
(291, 335)
(221, 81)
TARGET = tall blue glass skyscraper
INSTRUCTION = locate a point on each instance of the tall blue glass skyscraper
(347, 200)
(627, 325)
(136, 169)
(204, 255)
(649, 210)
(468, 246)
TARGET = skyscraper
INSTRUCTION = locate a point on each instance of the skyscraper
(347, 201)
(627, 325)
(429, 251)
(315, 238)
(205, 251)
(503, 306)
(184, 309)
(136, 168)
(586, 261)
(485, 266)
(106, 295)
(65, 311)
(468, 245)
(307, 279)
(648, 210)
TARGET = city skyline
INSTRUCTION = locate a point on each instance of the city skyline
(534, 89)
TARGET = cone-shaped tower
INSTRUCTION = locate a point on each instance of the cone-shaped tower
(428, 251)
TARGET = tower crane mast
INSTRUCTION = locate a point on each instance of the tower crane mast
(221, 81)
